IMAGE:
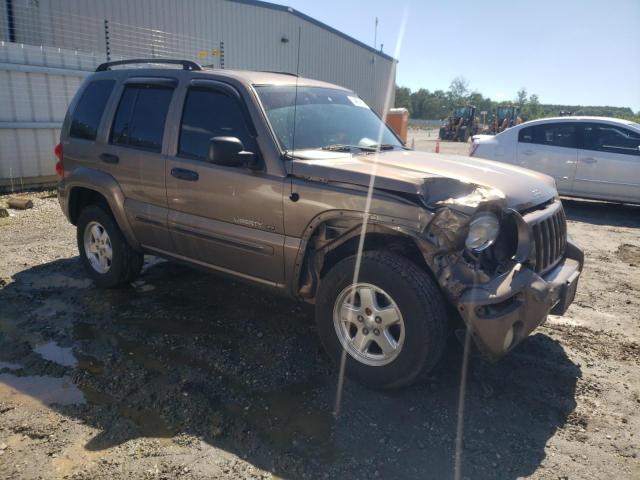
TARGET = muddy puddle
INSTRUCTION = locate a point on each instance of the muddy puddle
(53, 352)
(42, 389)
(10, 366)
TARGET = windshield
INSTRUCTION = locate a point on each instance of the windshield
(461, 112)
(504, 112)
(324, 117)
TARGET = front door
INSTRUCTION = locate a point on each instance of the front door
(550, 148)
(609, 163)
(230, 218)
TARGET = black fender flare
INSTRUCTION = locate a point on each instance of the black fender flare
(107, 186)
(374, 224)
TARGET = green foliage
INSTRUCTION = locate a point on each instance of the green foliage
(437, 105)
(403, 98)
(458, 90)
(521, 97)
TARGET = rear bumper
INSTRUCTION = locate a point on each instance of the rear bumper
(507, 309)
(63, 198)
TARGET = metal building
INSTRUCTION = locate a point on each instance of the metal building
(48, 46)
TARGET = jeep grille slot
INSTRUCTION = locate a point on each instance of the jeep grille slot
(549, 239)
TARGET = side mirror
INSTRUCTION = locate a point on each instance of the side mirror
(230, 152)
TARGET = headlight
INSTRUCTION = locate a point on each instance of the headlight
(483, 231)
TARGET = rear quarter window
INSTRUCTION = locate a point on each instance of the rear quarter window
(525, 135)
(87, 114)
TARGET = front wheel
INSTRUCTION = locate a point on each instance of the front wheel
(391, 324)
(105, 253)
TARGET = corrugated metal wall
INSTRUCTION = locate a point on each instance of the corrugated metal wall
(252, 36)
(64, 39)
(37, 85)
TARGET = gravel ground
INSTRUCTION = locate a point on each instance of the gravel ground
(189, 375)
(425, 139)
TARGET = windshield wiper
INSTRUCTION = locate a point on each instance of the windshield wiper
(340, 147)
(383, 146)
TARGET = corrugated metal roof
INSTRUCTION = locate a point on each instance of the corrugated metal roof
(293, 11)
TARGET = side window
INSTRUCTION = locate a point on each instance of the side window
(207, 114)
(564, 135)
(525, 135)
(140, 118)
(544, 134)
(611, 138)
(87, 114)
(553, 134)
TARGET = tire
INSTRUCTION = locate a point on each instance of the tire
(422, 314)
(125, 263)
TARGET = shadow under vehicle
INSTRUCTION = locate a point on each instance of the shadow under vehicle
(183, 354)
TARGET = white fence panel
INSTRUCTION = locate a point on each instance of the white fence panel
(36, 87)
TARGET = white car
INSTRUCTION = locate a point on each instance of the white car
(589, 157)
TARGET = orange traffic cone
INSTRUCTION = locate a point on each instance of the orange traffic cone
(438, 146)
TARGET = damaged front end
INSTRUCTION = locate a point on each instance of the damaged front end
(507, 289)
(502, 286)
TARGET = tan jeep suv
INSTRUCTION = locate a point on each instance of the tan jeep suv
(269, 178)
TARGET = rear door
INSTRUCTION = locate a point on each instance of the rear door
(609, 163)
(551, 148)
(133, 155)
(230, 218)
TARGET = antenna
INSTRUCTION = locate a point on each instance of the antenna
(375, 34)
(293, 195)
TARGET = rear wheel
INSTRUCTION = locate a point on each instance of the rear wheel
(391, 324)
(105, 253)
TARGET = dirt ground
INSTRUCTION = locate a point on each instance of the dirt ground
(425, 139)
(189, 375)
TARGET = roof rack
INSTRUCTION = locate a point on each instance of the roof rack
(281, 73)
(186, 64)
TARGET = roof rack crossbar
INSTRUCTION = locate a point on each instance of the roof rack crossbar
(186, 64)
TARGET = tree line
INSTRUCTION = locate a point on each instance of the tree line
(438, 104)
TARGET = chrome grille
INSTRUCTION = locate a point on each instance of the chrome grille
(549, 235)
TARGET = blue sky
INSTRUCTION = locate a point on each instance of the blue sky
(584, 52)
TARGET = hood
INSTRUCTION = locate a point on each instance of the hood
(439, 178)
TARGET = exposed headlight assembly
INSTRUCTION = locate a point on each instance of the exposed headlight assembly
(483, 231)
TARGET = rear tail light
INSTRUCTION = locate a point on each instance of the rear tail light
(474, 147)
(60, 163)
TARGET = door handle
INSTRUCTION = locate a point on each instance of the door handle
(184, 174)
(109, 158)
(529, 152)
(589, 160)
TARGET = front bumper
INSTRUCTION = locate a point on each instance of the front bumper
(502, 312)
